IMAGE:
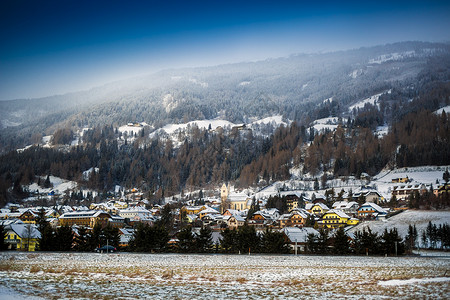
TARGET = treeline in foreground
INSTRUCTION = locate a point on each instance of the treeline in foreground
(245, 239)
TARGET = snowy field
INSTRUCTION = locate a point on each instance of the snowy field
(175, 276)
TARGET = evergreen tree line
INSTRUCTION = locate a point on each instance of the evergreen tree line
(434, 237)
(363, 243)
(155, 238)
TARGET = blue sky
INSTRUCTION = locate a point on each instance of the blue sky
(55, 47)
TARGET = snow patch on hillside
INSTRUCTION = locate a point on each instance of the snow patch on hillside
(371, 100)
(87, 173)
(382, 131)
(132, 129)
(446, 109)
(277, 120)
(59, 186)
(330, 123)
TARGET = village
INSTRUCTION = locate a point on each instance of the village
(294, 213)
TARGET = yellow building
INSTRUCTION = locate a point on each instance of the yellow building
(22, 237)
(28, 217)
(85, 218)
(192, 210)
(336, 218)
(317, 209)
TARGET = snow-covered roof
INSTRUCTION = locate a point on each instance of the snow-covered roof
(210, 210)
(135, 209)
(340, 213)
(25, 230)
(237, 197)
(238, 218)
(344, 204)
(375, 207)
(299, 234)
(85, 214)
(321, 205)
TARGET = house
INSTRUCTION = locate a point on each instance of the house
(51, 213)
(296, 218)
(298, 237)
(207, 211)
(260, 219)
(441, 189)
(317, 209)
(85, 218)
(369, 194)
(126, 234)
(28, 217)
(192, 210)
(120, 204)
(106, 206)
(350, 208)
(336, 218)
(292, 198)
(402, 192)
(132, 212)
(23, 237)
(232, 212)
(371, 211)
(234, 222)
(400, 180)
(211, 219)
(318, 198)
(116, 221)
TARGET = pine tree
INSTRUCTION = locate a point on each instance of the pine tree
(64, 236)
(203, 240)
(47, 183)
(248, 240)
(3, 245)
(341, 243)
(312, 243)
(391, 242)
(81, 240)
(228, 242)
(411, 237)
(111, 235)
(446, 176)
(186, 240)
(274, 242)
(323, 241)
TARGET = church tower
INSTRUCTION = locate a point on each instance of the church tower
(224, 192)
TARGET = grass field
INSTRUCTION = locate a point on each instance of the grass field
(176, 276)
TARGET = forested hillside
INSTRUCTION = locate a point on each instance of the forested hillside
(294, 87)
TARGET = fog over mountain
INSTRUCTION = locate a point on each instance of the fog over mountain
(293, 87)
